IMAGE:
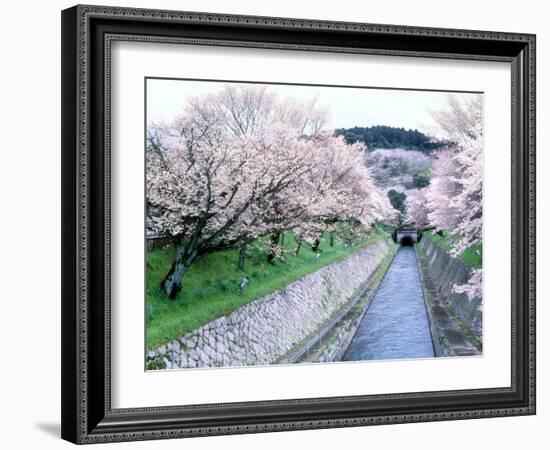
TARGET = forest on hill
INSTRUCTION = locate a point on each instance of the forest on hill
(383, 136)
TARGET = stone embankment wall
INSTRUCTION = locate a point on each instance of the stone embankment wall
(266, 329)
(447, 271)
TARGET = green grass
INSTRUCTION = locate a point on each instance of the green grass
(472, 256)
(210, 288)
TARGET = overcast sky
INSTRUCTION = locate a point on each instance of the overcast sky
(348, 107)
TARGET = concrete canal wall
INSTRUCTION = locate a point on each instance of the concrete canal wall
(448, 271)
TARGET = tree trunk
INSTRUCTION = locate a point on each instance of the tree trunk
(315, 245)
(273, 247)
(298, 248)
(242, 254)
(331, 236)
(171, 284)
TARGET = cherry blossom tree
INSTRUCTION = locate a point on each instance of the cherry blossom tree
(472, 288)
(416, 207)
(397, 166)
(339, 191)
(215, 170)
(458, 176)
(455, 193)
(443, 188)
(240, 164)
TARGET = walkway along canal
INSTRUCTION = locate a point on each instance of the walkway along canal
(396, 324)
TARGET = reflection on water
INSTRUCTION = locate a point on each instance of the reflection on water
(395, 325)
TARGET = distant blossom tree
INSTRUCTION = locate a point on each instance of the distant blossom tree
(397, 166)
(444, 187)
(416, 208)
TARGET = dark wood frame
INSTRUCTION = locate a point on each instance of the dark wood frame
(87, 32)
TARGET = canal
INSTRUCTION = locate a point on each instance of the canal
(395, 325)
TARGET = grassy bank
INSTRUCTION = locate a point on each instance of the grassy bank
(211, 286)
(472, 256)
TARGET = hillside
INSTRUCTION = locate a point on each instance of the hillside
(382, 136)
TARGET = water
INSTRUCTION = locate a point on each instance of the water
(396, 325)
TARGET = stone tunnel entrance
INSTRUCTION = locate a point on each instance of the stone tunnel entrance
(406, 236)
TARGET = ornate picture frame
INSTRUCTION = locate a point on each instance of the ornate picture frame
(88, 33)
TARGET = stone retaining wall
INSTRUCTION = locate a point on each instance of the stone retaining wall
(269, 327)
(448, 271)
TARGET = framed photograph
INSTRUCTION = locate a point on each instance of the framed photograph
(280, 224)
